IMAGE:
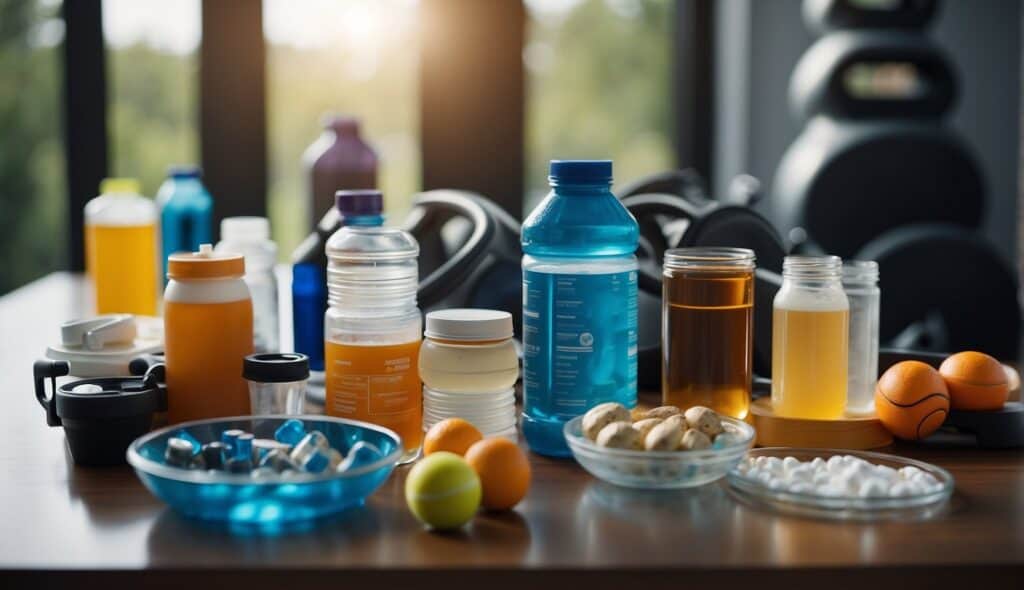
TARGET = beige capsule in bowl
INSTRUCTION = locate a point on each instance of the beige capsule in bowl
(602, 415)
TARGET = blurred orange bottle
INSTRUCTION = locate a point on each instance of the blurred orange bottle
(207, 333)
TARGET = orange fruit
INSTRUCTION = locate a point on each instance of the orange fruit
(503, 469)
(911, 400)
(975, 381)
(454, 435)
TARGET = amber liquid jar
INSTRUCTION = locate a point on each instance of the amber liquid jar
(708, 329)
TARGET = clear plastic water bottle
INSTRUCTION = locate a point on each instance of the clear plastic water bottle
(579, 302)
(373, 326)
(186, 210)
(250, 237)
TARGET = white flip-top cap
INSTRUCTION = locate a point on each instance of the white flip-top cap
(244, 229)
(469, 324)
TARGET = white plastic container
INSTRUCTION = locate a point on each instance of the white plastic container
(250, 237)
(469, 368)
(468, 350)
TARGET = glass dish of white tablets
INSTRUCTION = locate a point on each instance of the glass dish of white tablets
(841, 484)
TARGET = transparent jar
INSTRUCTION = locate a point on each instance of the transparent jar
(373, 326)
(810, 325)
(277, 382)
(469, 351)
(708, 329)
(860, 281)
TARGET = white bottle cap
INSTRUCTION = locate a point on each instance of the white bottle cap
(469, 324)
(244, 229)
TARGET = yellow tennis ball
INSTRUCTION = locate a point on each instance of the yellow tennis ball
(442, 491)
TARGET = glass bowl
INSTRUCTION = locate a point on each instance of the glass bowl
(659, 469)
(239, 498)
(912, 507)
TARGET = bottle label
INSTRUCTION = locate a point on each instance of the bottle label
(377, 384)
(579, 341)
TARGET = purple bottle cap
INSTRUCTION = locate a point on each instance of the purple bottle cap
(341, 124)
(354, 203)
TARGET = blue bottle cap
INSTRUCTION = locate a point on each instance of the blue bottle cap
(184, 171)
(580, 172)
(355, 203)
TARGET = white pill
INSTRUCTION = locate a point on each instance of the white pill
(790, 462)
(822, 478)
(760, 461)
(753, 472)
(817, 463)
(777, 484)
(909, 472)
(87, 388)
(858, 471)
(765, 477)
(834, 464)
(899, 490)
(886, 472)
(801, 473)
(773, 464)
(800, 488)
(873, 488)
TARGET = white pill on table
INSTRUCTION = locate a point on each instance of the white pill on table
(834, 464)
(773, 464)
(790, 462)
(817, 463)
(873, 488)
(909, 471)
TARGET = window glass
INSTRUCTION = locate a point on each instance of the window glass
(32, 178)
(598, 86)
(152, 86)
(353, 57)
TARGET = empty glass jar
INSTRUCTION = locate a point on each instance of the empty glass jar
(860, 281)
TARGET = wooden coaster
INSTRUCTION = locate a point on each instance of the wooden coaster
(848, 433)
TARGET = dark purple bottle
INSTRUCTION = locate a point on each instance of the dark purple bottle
(339, 159)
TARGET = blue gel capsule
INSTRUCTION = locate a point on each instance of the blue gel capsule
(185, 435)
(290, 433)
(243, 447)
(313, 452)
(361, 454)
(228, 438)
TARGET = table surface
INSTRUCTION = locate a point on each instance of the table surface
(81, 521)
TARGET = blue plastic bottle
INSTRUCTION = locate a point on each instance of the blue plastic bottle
(579, 302)
(186, 209)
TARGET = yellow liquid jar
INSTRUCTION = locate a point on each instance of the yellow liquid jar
(810, 325)
(121, 257)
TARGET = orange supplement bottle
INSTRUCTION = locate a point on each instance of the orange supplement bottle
(121, 249)
(708, 329)
(373, 326)
(207, 333)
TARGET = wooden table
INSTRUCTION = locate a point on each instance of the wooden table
(61, 522)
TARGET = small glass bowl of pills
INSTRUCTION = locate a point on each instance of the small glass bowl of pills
(265, 469)
(661, 448)
(841, 484)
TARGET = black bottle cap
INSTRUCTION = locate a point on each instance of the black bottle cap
(276, 367)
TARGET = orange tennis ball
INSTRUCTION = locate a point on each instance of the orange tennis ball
(454, 435)
(911, 400)
(503, 469)
(975, 381)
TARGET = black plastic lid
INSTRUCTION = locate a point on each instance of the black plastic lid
(112, 397)
(276, 367)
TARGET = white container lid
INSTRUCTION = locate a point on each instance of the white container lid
(244, 229)
(469, 324)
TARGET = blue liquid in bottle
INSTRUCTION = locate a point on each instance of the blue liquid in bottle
(579, 302)
(186, 210)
